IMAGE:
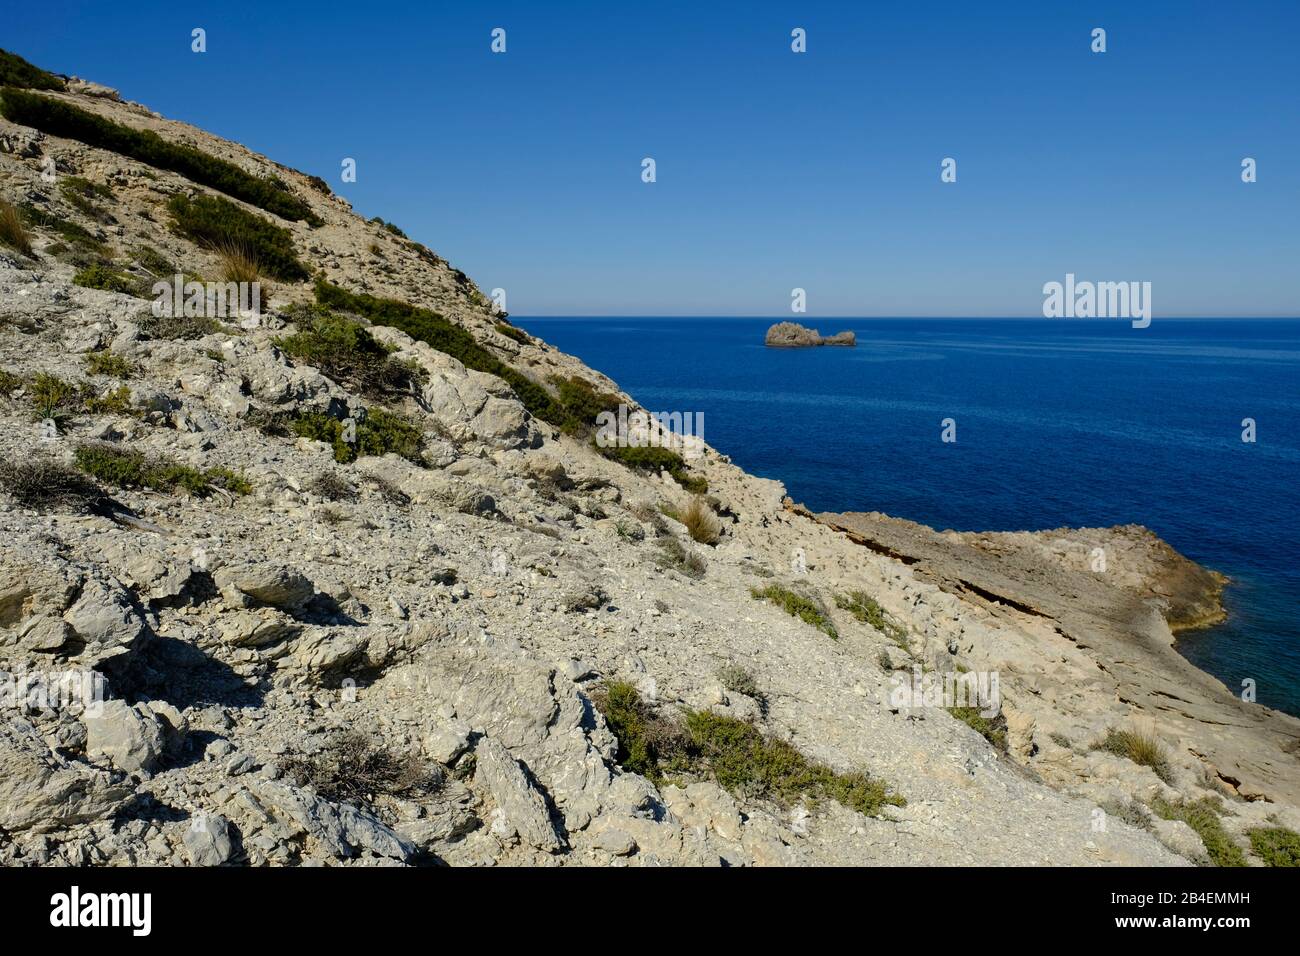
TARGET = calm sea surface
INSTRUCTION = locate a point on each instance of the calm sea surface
(1058, 423)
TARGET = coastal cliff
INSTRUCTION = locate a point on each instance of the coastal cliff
(359, 587)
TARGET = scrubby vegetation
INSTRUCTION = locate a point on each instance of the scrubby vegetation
(580, 404)
(332, 488)
(735, 753)
(676, 557)
(354, 768)
(867, 609)
(993, 729)
(109, 363)
(182, 327)
(797, 605)
(431, 328)
(237, 262)
(85, 249)
(1140, 747)
(217, 223)
(15, 71)
(379, 433)
(510, 332)
(13, 232)
(654, 459)
(106, 279)
(346, 352)
(56, 400)
(738, 680)
(48, 485)
(1203, 817)
(63, 119)
(128, 468)
(1275, 846)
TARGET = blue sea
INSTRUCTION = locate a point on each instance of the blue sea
(1058, 423)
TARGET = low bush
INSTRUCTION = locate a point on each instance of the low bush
(106, 279)
(797, 605)
(1203, 817)
(15, 71)
(445, 336)
(654, 459)
(866, 609)
(1275, 846)
(331, 487)
(360, 770)
(177, 327)
(58, 118)
(738, 680)
(736, 754)
(379, 433)
(510, 332)
(346, 352)
(47, 485)
(127, 468)
(109, 363)
(217, 223)
(993, 729)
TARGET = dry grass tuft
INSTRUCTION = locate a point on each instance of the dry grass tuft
(13, 231)
(237, 262)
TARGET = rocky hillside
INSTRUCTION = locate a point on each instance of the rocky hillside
(350, 582)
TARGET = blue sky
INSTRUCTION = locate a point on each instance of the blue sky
(775, 169)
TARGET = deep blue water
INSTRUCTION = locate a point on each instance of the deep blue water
(1058, 423)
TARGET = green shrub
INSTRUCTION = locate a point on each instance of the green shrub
(154, 262)
(1276, 846)
(77, 236)
(9, 383)
(993, 729)
(1203, 817)
(15, 71)
(214, 222)
(379, 433)
(749, 763)
(510, 332)
(53, 397)
(796, 605)
(109, 363)
(127, 468)
(437, 332)
(866, 609)
(647, 743)
(654, 459)
(70, 122)
(735, 753)
(106, 279)
(347, 353)
(580, 404)
(115, 402)
(1141, 748)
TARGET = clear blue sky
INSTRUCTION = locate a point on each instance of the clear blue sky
(775, 170)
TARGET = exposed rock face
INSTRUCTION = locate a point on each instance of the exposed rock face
(791, 335)
(459, 612)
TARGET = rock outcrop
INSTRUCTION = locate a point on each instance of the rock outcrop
(792, 335)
